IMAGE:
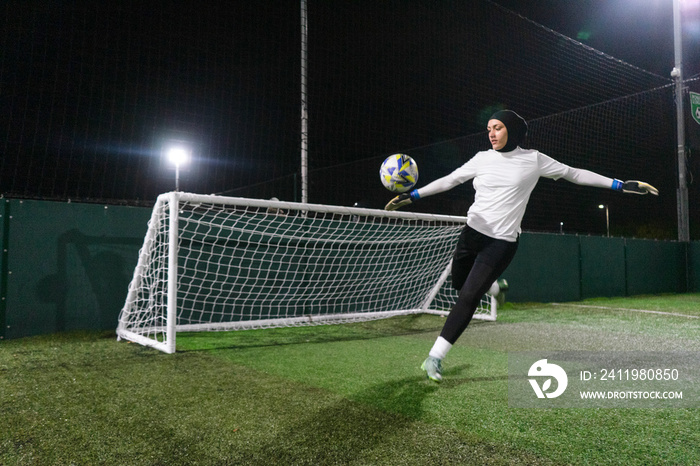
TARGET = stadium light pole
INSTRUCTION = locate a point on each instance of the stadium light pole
(677, 74)
(304, 108)
(607, 217)
(178, 156)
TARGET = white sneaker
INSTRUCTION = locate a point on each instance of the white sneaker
(433, 369)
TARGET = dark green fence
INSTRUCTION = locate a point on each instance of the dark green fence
(66, 266)
(551, 268)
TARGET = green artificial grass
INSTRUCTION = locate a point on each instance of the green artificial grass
(341, 394)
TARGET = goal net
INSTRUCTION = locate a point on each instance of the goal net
(221, 263)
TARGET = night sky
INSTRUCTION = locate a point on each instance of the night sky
(93, 93)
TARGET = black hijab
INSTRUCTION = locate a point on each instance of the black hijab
(516, 126)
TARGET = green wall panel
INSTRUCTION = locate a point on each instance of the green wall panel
(545, 268)
(694, 266)
(69, 265)
(655, 267)
(602, 266)
(4, 249)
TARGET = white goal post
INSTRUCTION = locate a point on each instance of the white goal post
(223, 263)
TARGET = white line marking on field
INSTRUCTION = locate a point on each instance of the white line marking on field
(627, 309)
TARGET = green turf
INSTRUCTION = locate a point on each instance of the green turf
(344, 394)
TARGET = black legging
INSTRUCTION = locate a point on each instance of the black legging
(478, 261)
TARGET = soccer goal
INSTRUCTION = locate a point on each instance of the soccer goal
(221, 263)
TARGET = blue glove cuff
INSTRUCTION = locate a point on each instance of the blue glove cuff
(414, 195)
(617, 185)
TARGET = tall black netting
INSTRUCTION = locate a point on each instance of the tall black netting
(93, 94)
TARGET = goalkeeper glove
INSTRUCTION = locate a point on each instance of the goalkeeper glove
(402, 200)
(635, 187)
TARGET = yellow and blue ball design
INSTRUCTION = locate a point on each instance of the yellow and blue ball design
(399, 173)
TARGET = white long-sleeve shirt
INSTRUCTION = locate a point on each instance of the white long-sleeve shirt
(503, 182)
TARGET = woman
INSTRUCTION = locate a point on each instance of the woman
(503, 178)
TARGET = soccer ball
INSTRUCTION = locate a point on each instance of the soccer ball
(399, 173)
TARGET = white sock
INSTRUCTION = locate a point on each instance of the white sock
(440, 348)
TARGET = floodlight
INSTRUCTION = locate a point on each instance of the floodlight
(178, 156)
